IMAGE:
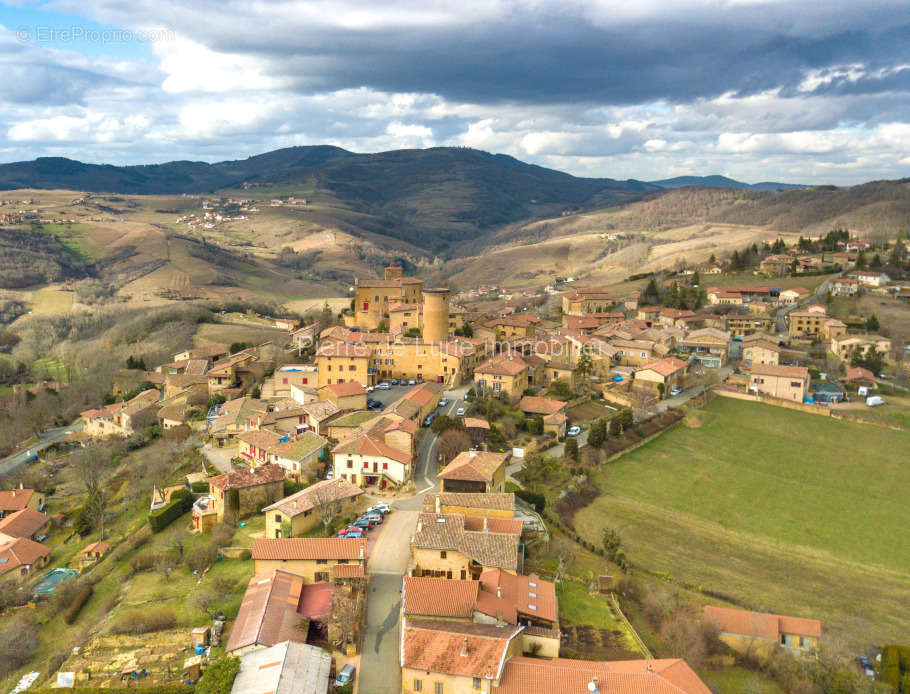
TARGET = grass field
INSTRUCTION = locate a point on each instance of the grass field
(52, 301)
(781, 510)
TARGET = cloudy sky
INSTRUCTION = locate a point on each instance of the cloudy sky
(809, 92)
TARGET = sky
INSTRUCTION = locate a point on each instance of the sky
(759, 90)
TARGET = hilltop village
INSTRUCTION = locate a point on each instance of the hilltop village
(404, 496)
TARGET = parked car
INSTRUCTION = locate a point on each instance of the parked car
(874, 401)
(369, 389)
(375, 517)
(459, 412)
(382, 386)
(363, 524)
(380, 508)
(352, 529)
(412, 382)
(419, 379)
(443, 402)
(351, 534)
(394, 381)
(675, 390)
(373, 404)
(346, 676)
(330, 474)
(429, 419)
(573, 431)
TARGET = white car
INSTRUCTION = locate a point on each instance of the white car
(573, 431)
(412, 382)
(675, 390)
(443, 402)
(382, 386)
(369, 389)
(459, 412)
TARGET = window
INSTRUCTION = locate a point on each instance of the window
(418, 685)
(385, 466)
(476, 683)
(321, 577)
(442, 554)
(352, 367)
(437, 688)
(305, 381)
(796, 384)
(350, 464)
(277, 517)
(284, 381)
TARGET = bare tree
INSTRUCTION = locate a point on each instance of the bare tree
(207, 601)
(326, 503)
(345, 618)
(451, 443)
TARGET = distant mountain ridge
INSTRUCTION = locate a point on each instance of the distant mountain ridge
(717, 181)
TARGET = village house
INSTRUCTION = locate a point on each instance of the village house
(808, 323)
(123, 418)
(446, 546)
(240, 492)
(495, 598)
(294, 515)
(94, 551)
(505, 374)
(747, 323)
(506, 327)
(870, 278)
(289, 324)
(844, 286)
(381, 456)
(315, 559)
(634, 352)
(289, 375)
(585, 301)
(480, 505)
(372, 298)
(784, 382)
(793, 296)
(532, 405)
(475, 471)
(17, 499)
(285, 668)
(439, 657)
(278, 606)
(846, 345)
(708, 346)
(761, 352)
(668, 372)
(833, 329)
(226, 373)
(760, 634)
(210, 353)
(26, 523)
(234, 417)
(20, 558)
(775, 265)
(304, 337)
(347, 396)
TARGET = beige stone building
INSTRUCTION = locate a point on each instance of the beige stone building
(454, 547)
(372, 298)
(784, 382)
(757, 352)
(761, 634)
(312, 558)
(306, 509)
(808, 323)
(475, 471)
(505, 374)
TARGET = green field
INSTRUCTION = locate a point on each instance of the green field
(782, 510)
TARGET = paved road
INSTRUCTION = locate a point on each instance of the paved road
(380, 672)
(45, 439)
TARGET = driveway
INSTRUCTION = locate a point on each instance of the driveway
(220, 458)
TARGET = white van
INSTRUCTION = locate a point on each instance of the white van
(874, 401)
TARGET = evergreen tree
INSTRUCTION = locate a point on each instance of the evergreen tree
(598, 433)
(872, 323)
(572, 449)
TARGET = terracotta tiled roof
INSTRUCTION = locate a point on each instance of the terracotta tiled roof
(759, 624)
(101, 547)
(762, 344)
(362, 443)
(268, 612)
(858, 373)
(321, 410)
(261, 438)
(784, 371)
(308, 548)
(530, 595)
(408, 425)
(24, 523)
(239, 479)
(439, 597)
(21, 552)
(424, 393)
(347, 571)
(474, 423)
(512, 526)
(342, 349)
(503, 365)
(502, 501)
(470, 650)
(346, 389)
(523, 675)
(476, 466)
(447, 532)
(540, 405)
(319, 494)
(196, 367)
(305, 445)
(15, 499)
(665, 367)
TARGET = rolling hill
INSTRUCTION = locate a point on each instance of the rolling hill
(724, 182)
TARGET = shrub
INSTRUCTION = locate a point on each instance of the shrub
(219, 676)
(142, 562)
(201, 488)
(71, 612)
(538, 501)
(144, 621)
(181, 502)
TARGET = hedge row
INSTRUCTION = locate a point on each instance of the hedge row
(72, 611)
(181, 502)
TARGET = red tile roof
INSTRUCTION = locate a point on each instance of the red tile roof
(470, 650)
(15, 499)
(240, 479)
(782, 371)
(347, 571)
(476, 466)
(268, 612)
(528, 594)
(665, 367)
(21, 552)
(539, 405)
(320, 493)
(759, 624)
(439, 597)
(312, 548)
(503, 365)
(24, 523)
(362, 443)
(347, 389)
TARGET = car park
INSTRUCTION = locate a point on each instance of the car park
(346, 676)
(459, 412)
(573, 431)
(443, 402)
(382, 386)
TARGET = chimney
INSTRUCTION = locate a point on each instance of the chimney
(650, 669)
(419, 526)
(20, 486)
(464, 647)
(499, 592)
(485, 528)
(437, 504)
(592, 686)
(361, 552)
(295, 504)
